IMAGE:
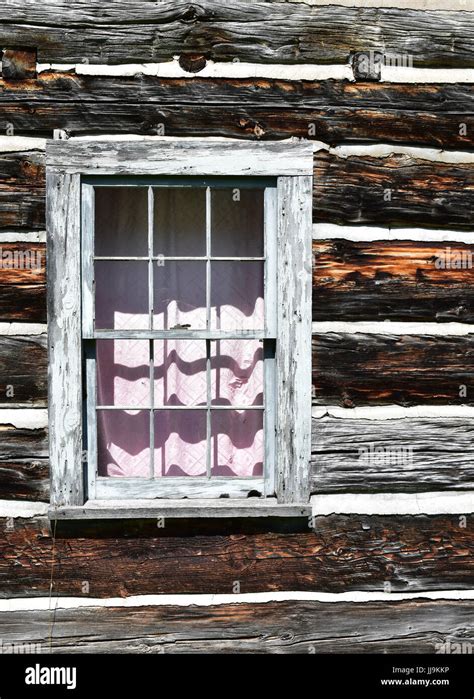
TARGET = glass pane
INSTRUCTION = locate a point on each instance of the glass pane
(179, 295)
(180, 372)
(123, 373)
(179, 222)
(121, 295)
(237, 372)
(180, 443)
(121, 221)
(123, 443)
(237, 296)
(237, 222)
(237, 443)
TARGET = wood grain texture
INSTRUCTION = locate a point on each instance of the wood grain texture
(23, 282)
(392, 280)
(415, 455)
(22, 191)
(19, 63)
(293, 348)
(397, 190)
(343, 553)
(24, 472)
(140, 31)
(259, 109)
(181, 157)
(23, 368)
(290, 627)
(64, 338)
(369, 369)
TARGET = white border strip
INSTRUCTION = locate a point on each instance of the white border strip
(384, 150)
(16, 237)
(434, 503)
(331, 231)
(395, 74)
(26, 418)
(464, 5)
(11, 144)
(393, 412)
(389, 327)
(205, 600)
(222, 69)
(23, 329)
(20, 508)
(278, 71)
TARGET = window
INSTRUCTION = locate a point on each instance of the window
(179, 324)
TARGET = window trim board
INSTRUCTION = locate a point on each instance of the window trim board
(78, 160)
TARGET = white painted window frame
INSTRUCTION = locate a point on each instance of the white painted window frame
(68, 166)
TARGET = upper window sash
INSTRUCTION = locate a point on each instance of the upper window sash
(269, 258)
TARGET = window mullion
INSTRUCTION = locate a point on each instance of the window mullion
(150, 325)
(208, 327)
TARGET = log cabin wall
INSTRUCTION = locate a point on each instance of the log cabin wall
(386, 564)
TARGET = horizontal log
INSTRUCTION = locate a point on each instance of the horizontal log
(23, 370)
(24, 472)
(396, 280)
(398, 190)
(22, 282)
(346, 190)
(393, 456)
(369, 369)
(22, 191)
(331, 111)
(52, 87)
(356, 552)
(140, 31)
(409, 626)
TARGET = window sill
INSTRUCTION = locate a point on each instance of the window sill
(179, 509)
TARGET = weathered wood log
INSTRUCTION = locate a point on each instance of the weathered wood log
(370, 369)
(23, 369)
(70, 87)
(22, 282)
(140, 31)
(393, 456)
(416, 626)
(393, 280)
(331, 111)
(388, 191)
(22, 191)
(24, 472)
(398, 190)
(19, 63)
(344, 553)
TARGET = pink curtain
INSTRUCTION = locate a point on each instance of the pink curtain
(179, 378)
